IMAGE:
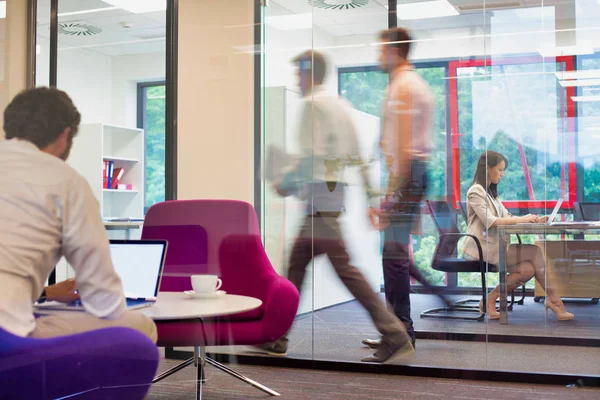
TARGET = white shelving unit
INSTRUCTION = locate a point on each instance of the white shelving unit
(96, 143)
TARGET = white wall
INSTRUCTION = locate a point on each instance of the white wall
(104, 88)
(127, 72)
(215, 100)
(85, 75)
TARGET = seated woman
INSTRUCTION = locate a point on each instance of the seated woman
(485, 213)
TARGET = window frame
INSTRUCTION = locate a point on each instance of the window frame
(529, 205)
(452, 167)
(141, 122)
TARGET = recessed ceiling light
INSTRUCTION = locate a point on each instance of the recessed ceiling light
(139, 6)
(565, 51)
(290, 22)
(582, 74)
(426, 9)
(580, 83)
(585, 98)
(94, 10)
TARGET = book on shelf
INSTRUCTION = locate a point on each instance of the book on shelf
(110, 170)
(104, 174)
(111, 176)
(117, 175)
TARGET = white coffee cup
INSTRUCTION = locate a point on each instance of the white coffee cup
(205, 283)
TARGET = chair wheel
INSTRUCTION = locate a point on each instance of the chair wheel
(595, 300)
(537, 299)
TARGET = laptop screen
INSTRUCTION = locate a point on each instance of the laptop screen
(555, 211)
(139, 265)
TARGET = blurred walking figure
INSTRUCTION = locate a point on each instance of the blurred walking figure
(406, 144)
(329, 143)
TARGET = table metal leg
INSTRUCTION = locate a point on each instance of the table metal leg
(171, 371)
(198, 363)
(241, 377)
(502, 276)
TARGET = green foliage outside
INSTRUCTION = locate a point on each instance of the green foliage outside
(366, 90)
(155, 145)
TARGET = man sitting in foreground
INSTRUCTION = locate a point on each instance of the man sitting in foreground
(47, 210)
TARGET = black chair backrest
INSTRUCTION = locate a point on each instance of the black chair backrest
(445, 222)
(577, 216)
(462, 206)
(587, 211)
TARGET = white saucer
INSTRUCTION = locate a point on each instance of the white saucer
(194, 295)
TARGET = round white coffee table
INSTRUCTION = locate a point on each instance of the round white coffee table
(177, 305)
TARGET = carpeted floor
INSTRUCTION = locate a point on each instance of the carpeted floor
(310, 384)
(335, 334)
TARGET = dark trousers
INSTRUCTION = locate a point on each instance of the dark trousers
(397, 263)
(321, 234)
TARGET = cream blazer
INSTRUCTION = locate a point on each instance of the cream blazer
(482, 212)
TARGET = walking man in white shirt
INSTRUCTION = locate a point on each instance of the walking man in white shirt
(47, 210)
(328, 143)
(406, 144)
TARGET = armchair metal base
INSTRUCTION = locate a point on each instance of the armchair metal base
(199, 360)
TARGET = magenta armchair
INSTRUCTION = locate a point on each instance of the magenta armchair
(220, 237)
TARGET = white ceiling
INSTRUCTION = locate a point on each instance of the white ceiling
(145, 34)
(373, 17)
(147, 31)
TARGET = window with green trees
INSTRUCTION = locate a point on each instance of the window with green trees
(365, 89)
(527, 126)
(152, 120)
(493, 113)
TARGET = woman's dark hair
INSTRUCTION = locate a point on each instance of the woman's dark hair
(488, 159)
(40, 115)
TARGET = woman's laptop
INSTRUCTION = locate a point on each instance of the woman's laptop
(551, 219)
(139, 264)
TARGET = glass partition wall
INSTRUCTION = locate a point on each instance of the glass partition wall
(110, 57)
(518, 80)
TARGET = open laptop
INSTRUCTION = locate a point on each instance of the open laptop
(139, 264)
(551, 220)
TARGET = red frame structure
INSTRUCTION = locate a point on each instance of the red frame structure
(453, 67)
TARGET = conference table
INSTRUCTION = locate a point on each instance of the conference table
(504, 233)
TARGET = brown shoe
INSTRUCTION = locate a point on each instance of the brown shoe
(387, 353)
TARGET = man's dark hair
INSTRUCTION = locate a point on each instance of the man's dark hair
(488, 159)
(399, 39)
(40, 115)
(312, 61)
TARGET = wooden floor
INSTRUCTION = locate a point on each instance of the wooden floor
(311, 384)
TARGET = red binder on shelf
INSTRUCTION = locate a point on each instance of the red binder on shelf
(104, 174)
(117, 175)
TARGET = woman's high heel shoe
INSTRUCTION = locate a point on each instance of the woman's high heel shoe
(558, 310)
(492, 313)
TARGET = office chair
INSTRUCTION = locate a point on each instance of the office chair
(586, 211)
(463, 209)
(445, 259)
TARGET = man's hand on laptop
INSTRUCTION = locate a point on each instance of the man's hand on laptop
(63, 292)
(543, 219)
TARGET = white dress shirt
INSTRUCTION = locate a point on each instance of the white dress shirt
(328, 142)
(47, 210)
